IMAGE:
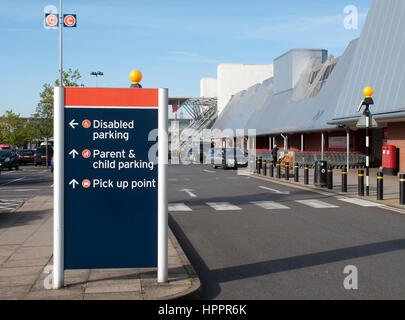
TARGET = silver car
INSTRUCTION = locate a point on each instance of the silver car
(227, 158)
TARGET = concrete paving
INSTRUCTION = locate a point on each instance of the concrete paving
(26, 245)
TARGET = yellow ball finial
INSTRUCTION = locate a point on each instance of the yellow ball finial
(135, 76)
(368, 92)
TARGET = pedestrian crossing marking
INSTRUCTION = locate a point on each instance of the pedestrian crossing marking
(10, 204)
(317, 204)
(179, 207)
(270, 205)
(361, 202)
(227, 206)
(223, 206)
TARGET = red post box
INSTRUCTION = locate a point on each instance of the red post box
(389, 160)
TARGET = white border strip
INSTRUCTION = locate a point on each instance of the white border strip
(59, 189)
(163, 147)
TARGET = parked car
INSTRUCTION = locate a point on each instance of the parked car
(227, 158)
(8, 160)
(40, 155)
(25, 156)
(6, 146)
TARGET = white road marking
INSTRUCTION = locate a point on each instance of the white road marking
(189, 192)
(4, 173)
(209, 171)
(4, 184)
(244, 172)
(176, 207)
(397, 210)
(223, 206)
(317, 204)
(361, 202)
(10, 204)
(25, 189)
(270, 205)
(275, 191)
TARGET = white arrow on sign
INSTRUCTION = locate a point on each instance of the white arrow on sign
(73, 153)
(73, 183)
(189, 192)
(73, 124)
(275, 191)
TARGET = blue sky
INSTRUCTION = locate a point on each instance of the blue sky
(174, 43)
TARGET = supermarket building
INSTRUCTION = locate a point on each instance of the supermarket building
(307, 101)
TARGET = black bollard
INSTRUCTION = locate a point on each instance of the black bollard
(256, 165)
(344, 179)
(380, 186)
(402, 188)
(260, 165)
(287, 171)
(278, 170)
(330, 179)
(361, 183)
(296, 173)
(271, 169)
(306, 174)
(264, 167)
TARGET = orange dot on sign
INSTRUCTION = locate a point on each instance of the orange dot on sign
(86, 183)
(51, 20)
(86, 124)
(86, 154)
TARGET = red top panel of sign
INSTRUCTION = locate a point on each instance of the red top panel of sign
(111, 97)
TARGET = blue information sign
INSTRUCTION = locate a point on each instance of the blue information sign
(111, 186)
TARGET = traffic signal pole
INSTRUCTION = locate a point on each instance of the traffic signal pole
(367, 114)
(368, 92)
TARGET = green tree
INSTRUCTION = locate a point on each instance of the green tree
(42, 120)
(43, 116)
(13, 129)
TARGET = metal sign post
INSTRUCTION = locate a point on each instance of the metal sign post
(53, 20)
(60, 44)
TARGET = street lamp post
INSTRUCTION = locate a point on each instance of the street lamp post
(368, 92)
(96, 74)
